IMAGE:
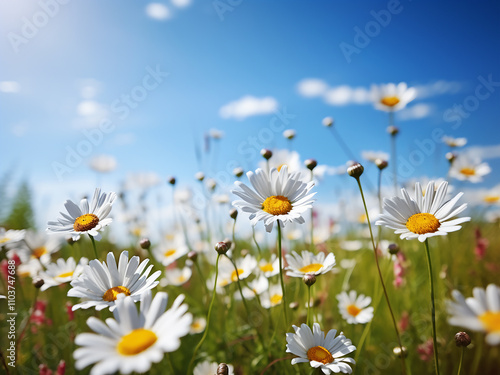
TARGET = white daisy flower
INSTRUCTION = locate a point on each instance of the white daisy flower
(133, 340)
(103, 163)
(469, 168)
(284, 157)
(176, 276)
(309, 263)
(492, 196)
(327, 353)
(11, 236)
(198, 325)
(351, 245)
(227, 272)
(423, 216)
(391, 98)
(372, 156)
(30, 268)
(272, 297)
(61, 272)
(256, 287)
(354, 309)
(480, 313)
(454, 142)
(210, 368)
(85, 219)
(172, 249)
(289, 134)
(270, 267)
(100, 284)
(37, 246)
(278, 196)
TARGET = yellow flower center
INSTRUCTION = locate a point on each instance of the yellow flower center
(280, 166)
(136, 341)
(362, 218)
(66, 274)
(491, 321)
(234, 275)
(390, 101)
(112, 293)
(169, 252)
(276, 298)
(423, 223)
(319, 354)
(491, 198)
(353, 310)
(4, 240)
(195, 326)
(311, 268)
(39, 251)
(85, 222)
(268, 267)
(468, 171)
(181, 279)
(277, 205)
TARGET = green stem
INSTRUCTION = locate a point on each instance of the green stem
(169, 364)
(93, 245)
(436, 358)
(381, 277)
(461, 360)
(312, 220)
(191, 363)
(4, 363)
(393, 151)
(203, 281)
(309, 306)
(281, 273)
(256, 243)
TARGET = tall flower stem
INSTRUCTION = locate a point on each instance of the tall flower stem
(436, 359)
(461, 360)
(93, 245)
(191, 363)
(381, 277)
(256, 243)
(312, 219)
(343, 145)
(281, 273)
(4, 363)
(309, 305)
(393, 151)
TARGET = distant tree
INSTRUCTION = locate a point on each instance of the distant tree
(21, 212)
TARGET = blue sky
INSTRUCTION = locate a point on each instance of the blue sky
(64, 77)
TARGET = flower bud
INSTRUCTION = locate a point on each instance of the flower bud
(222, 369)
(451, 156)
(310, 164)
(462, 339)
(355, 170)
(228, 242)
(233, 213)
(200, 176)
(309, 279)
(328, 122)
(38, 282)
(145, 243)
(221, 247)
(238, 172)
(393, 248)
(171, 180)
(400, 352)
(193, 255)
(289, 134)
(392, 130)
(381, 164)
(266, 154)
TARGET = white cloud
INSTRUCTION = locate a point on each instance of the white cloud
(484, 152)
(10, 87)
(312, 87)
(415, 112)
(89, 88)
(438, 88)
(124, 139)
(158, 11)
(181, 3)
(19, 130)
(90, 114)
(344, 95)
(248, 106)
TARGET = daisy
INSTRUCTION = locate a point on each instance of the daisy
(210, 368)
(61, 272)
(272, 297)
(173, 249)
(423, 216)
(372, 156)
(354, 309)
(37, 246)
(469, 168)
(283, 157)
(30, 268)
(133, 340)
(100, 283)
(391, 98)
(270, 267)
(327, 353)
(198, 325)
(11, 236)
(85, 219)
(176, 276)
(480, 313)
(309, 263)
(255, 287)
(227, 273)
(454, 142)
(278, 196)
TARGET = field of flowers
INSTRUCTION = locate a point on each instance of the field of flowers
(263, 281)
